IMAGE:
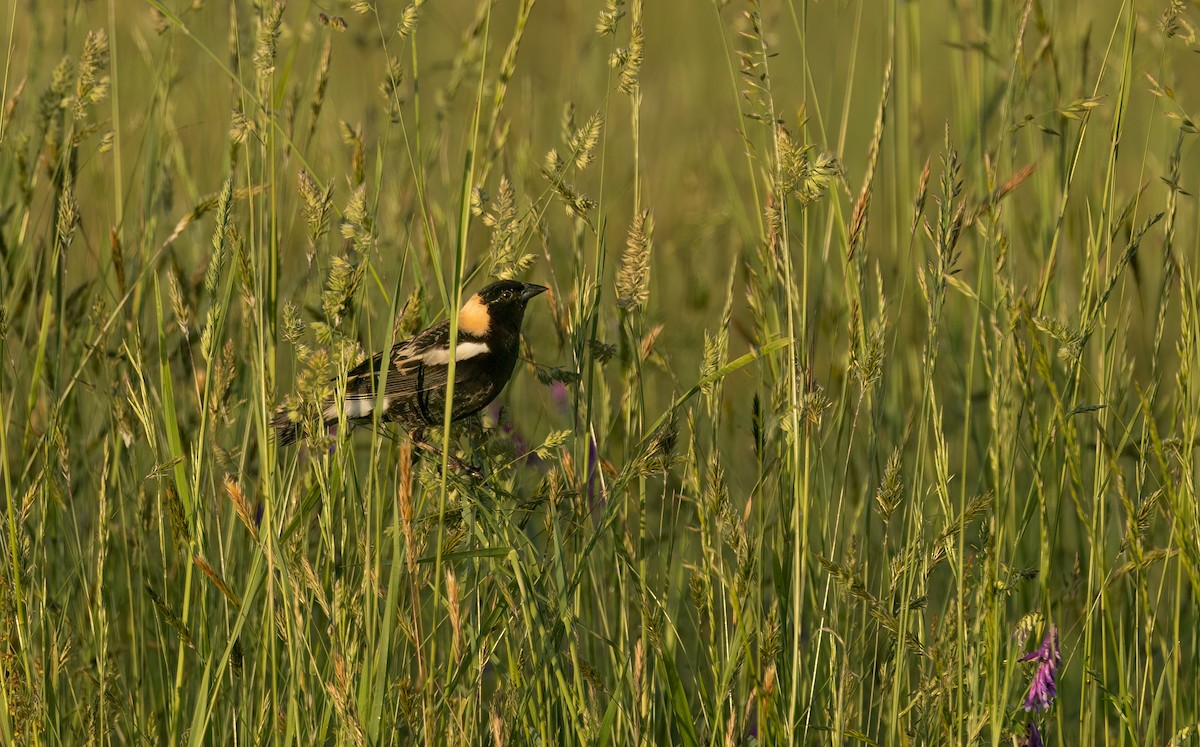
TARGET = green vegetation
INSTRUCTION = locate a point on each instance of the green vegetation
(871, 359)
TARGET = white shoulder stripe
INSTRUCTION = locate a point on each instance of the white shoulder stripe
(355, 408)
(464, 351)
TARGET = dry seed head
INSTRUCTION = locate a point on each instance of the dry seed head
(266, 40)
(340, 288)
(178, 306)
(773, 217)
(633, 280)
(313, 583)
(391, 88)
(347, 132)
(582, 142)
(68, 216)
(409, 19)
(922, 194)
(639, 667)
(179, 526)
(453, 602)
(355, 221)
(887, 498)
(318, 201)
(716, 492)
(91, 86)
(241, 506)
(223, 375)
(550, 447)
(353, 138)
(819, 176)
(170, 618)
(220, 239)
(713, 354)
(344, 704)
(1025, 626)
(768, 685)
(607, 23)
(554, 164)
(568, 121)
(496, 721)
(646, 348)
(1173, 22)
(49, 106)
(633, 60)
(502, 219)
(241, 127)
(658, 454)
(409, 322)
(406, 505)
(293, 324)
(245, 267)
(207, 569)
(858, 221)
(318, 99)
(576, 204)
(791, 160)
(813, 404)
(60, 85)
(698, 586)
(867, 365)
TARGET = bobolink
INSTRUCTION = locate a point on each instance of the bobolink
(414, 395)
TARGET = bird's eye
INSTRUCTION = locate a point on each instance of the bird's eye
(506, 295)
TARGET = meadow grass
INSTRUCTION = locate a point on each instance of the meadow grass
(869, 365)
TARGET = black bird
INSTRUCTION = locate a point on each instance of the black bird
(414, 395)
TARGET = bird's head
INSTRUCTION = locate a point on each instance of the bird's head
(499, 306)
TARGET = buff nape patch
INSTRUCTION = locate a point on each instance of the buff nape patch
(474, 319)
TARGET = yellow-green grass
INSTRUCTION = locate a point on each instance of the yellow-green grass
(870, 358)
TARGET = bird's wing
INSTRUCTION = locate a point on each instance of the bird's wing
(418, 366)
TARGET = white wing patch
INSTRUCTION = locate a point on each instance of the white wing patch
(359, 407)
(464, 351)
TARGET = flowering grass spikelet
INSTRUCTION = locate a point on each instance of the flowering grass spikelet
(633, 281)
(266, 41)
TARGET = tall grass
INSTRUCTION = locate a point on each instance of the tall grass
(869, 364)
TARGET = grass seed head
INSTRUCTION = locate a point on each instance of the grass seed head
(633, 280)
(632, 66)
(266, 40)
(612, 13)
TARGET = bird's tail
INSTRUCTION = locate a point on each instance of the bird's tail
(287, 431)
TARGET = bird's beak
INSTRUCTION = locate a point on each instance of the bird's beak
(532, 290)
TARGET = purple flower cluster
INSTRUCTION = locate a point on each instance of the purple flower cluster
(1043, 688)
(1033, 737)
(1044, 685)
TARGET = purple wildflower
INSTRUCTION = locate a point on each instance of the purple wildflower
(1033, 737)
(558, 395)
(1043, 687)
